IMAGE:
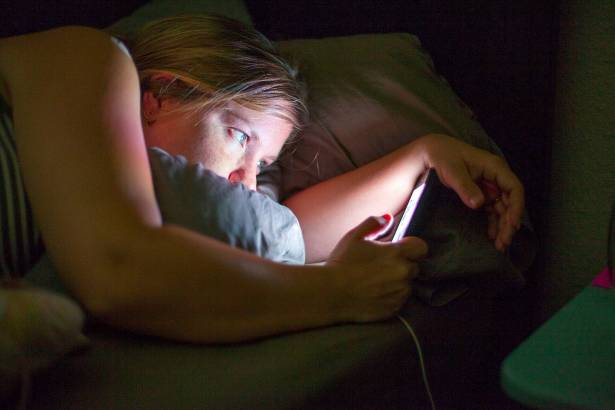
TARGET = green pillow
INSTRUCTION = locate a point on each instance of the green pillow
(156, 9)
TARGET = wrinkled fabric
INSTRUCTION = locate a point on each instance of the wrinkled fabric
(193, 197)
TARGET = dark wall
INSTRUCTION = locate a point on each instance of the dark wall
(24, 16)
(583, 166)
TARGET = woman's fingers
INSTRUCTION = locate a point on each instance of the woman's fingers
(412, 248)
(499, 185)
(503, 201)
(492, 224)
(491, 190)
(394, 301)
(375, 277)
(373, 227)
(499, 180)
(516, 202)
(456, 176)
(499, 228)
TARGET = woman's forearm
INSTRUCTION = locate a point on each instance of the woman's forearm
(180, 285)
(326, 211)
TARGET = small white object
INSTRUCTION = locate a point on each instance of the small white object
(413, 202)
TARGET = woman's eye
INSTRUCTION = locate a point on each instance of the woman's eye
(240, 136)
(261, 165)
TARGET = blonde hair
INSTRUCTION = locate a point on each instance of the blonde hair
(215, 60)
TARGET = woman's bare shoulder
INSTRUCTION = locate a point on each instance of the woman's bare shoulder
(27, 57)
(19, 45)
(77, 126)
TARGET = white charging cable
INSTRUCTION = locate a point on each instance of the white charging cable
(421, 361)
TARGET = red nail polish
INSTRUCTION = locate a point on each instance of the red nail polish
(491, 187)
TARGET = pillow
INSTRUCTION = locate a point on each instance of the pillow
(156, 9)
(369, 95)
(198, 199)
(37, 327)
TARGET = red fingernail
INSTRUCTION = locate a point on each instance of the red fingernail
(490, 186)
(387, 217)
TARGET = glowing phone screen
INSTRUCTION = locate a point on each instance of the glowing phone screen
(421, 200)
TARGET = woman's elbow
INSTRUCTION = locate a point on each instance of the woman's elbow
(102, 296)
(103, 282)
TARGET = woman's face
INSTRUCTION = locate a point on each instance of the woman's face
(235, 142)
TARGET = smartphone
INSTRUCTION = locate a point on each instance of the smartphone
(419, 207)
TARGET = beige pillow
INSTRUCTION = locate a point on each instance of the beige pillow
(37, 328)
(368, 95)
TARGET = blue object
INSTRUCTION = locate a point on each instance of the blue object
(569, 362)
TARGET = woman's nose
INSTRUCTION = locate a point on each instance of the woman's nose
(245, 177)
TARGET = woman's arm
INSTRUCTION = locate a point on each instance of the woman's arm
(328, 209)
(76, 106)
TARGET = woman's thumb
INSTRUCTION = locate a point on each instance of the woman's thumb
(373, 227)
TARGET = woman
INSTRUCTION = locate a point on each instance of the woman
(83, 112)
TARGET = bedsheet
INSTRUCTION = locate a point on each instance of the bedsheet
(346, 366)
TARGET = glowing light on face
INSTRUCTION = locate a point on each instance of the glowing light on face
(235, 142)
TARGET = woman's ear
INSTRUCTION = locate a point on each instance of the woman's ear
(150, 106)
(152, 102)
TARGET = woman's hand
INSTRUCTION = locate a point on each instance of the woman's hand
(373, 278)
(480, 179)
